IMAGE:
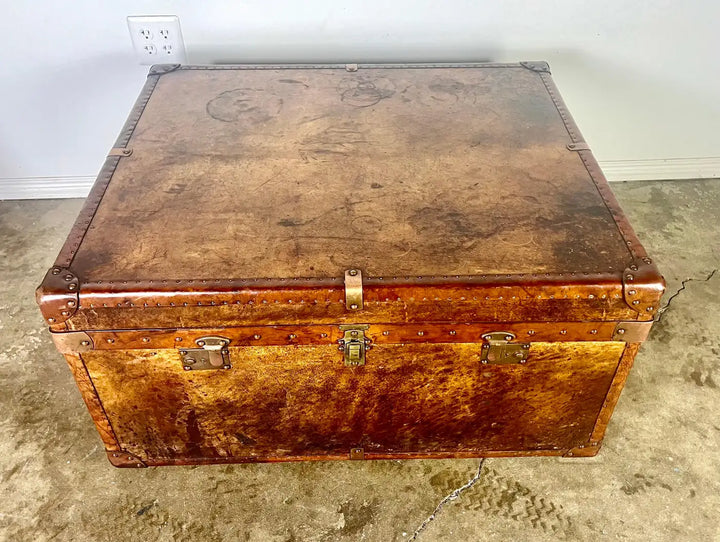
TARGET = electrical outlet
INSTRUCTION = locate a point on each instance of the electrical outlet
(157, 39)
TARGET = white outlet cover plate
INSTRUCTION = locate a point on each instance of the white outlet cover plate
(157, 39)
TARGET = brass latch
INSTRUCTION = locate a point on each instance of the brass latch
(354, 344)
(498, 351)
(212, 354)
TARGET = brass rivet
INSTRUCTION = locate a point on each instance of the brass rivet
(227, 366)
(292, 336)
(593, 331)
(630, 277)
(201, 343)
(508, 337)
(353, 306)
(531, 332)
(65, 313)
(190, 361)
(56, 271)
(111, 341)
(453, 332)
(183, 352)
(256, 337)
(353, 272)
(68, 277)
(483, 361)
(620, 331)
(649, 309)
(85, 343)
(632, 292)
(51, 320)
(323, 335)
(421, 333)
(71, 303)
(178, 339)
(591, 296)
(636, 302)
(187, 367)
(72, 286)
(115, 455)
(386, 333)
(634, 267)
(563, 332)
(146, 339)
(523, 361)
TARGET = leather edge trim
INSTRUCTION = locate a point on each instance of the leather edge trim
(89, 394)
(653, 284)
(87, 213)
(329, 334)
(625, 363)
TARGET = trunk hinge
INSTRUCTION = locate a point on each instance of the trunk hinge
(353, 289)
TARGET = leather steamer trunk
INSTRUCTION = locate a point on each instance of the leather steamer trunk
(330, 262)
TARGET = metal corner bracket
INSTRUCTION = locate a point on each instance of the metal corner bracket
(642, 286)
(539, 66)
(58, 295)
(162, 69)
(120, 458)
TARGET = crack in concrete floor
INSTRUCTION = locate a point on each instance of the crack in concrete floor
(664, 308)
(450, 497)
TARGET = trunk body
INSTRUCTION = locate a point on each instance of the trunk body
(328, 262)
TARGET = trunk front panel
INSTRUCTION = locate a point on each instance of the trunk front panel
(302, 401)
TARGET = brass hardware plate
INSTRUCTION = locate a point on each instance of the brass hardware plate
(354, 344)
(72, 342)
(357, 453)
(632, 332)
(117, 151)
(212, 353)
(497, 350)
(353, 289)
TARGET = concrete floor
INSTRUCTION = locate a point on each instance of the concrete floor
(656, 478)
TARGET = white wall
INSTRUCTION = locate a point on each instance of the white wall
(641, 78)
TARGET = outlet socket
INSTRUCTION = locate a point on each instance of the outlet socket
(157, 39)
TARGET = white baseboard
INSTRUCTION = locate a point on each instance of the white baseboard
(661, 169)
(615, 170)
(45, 187)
